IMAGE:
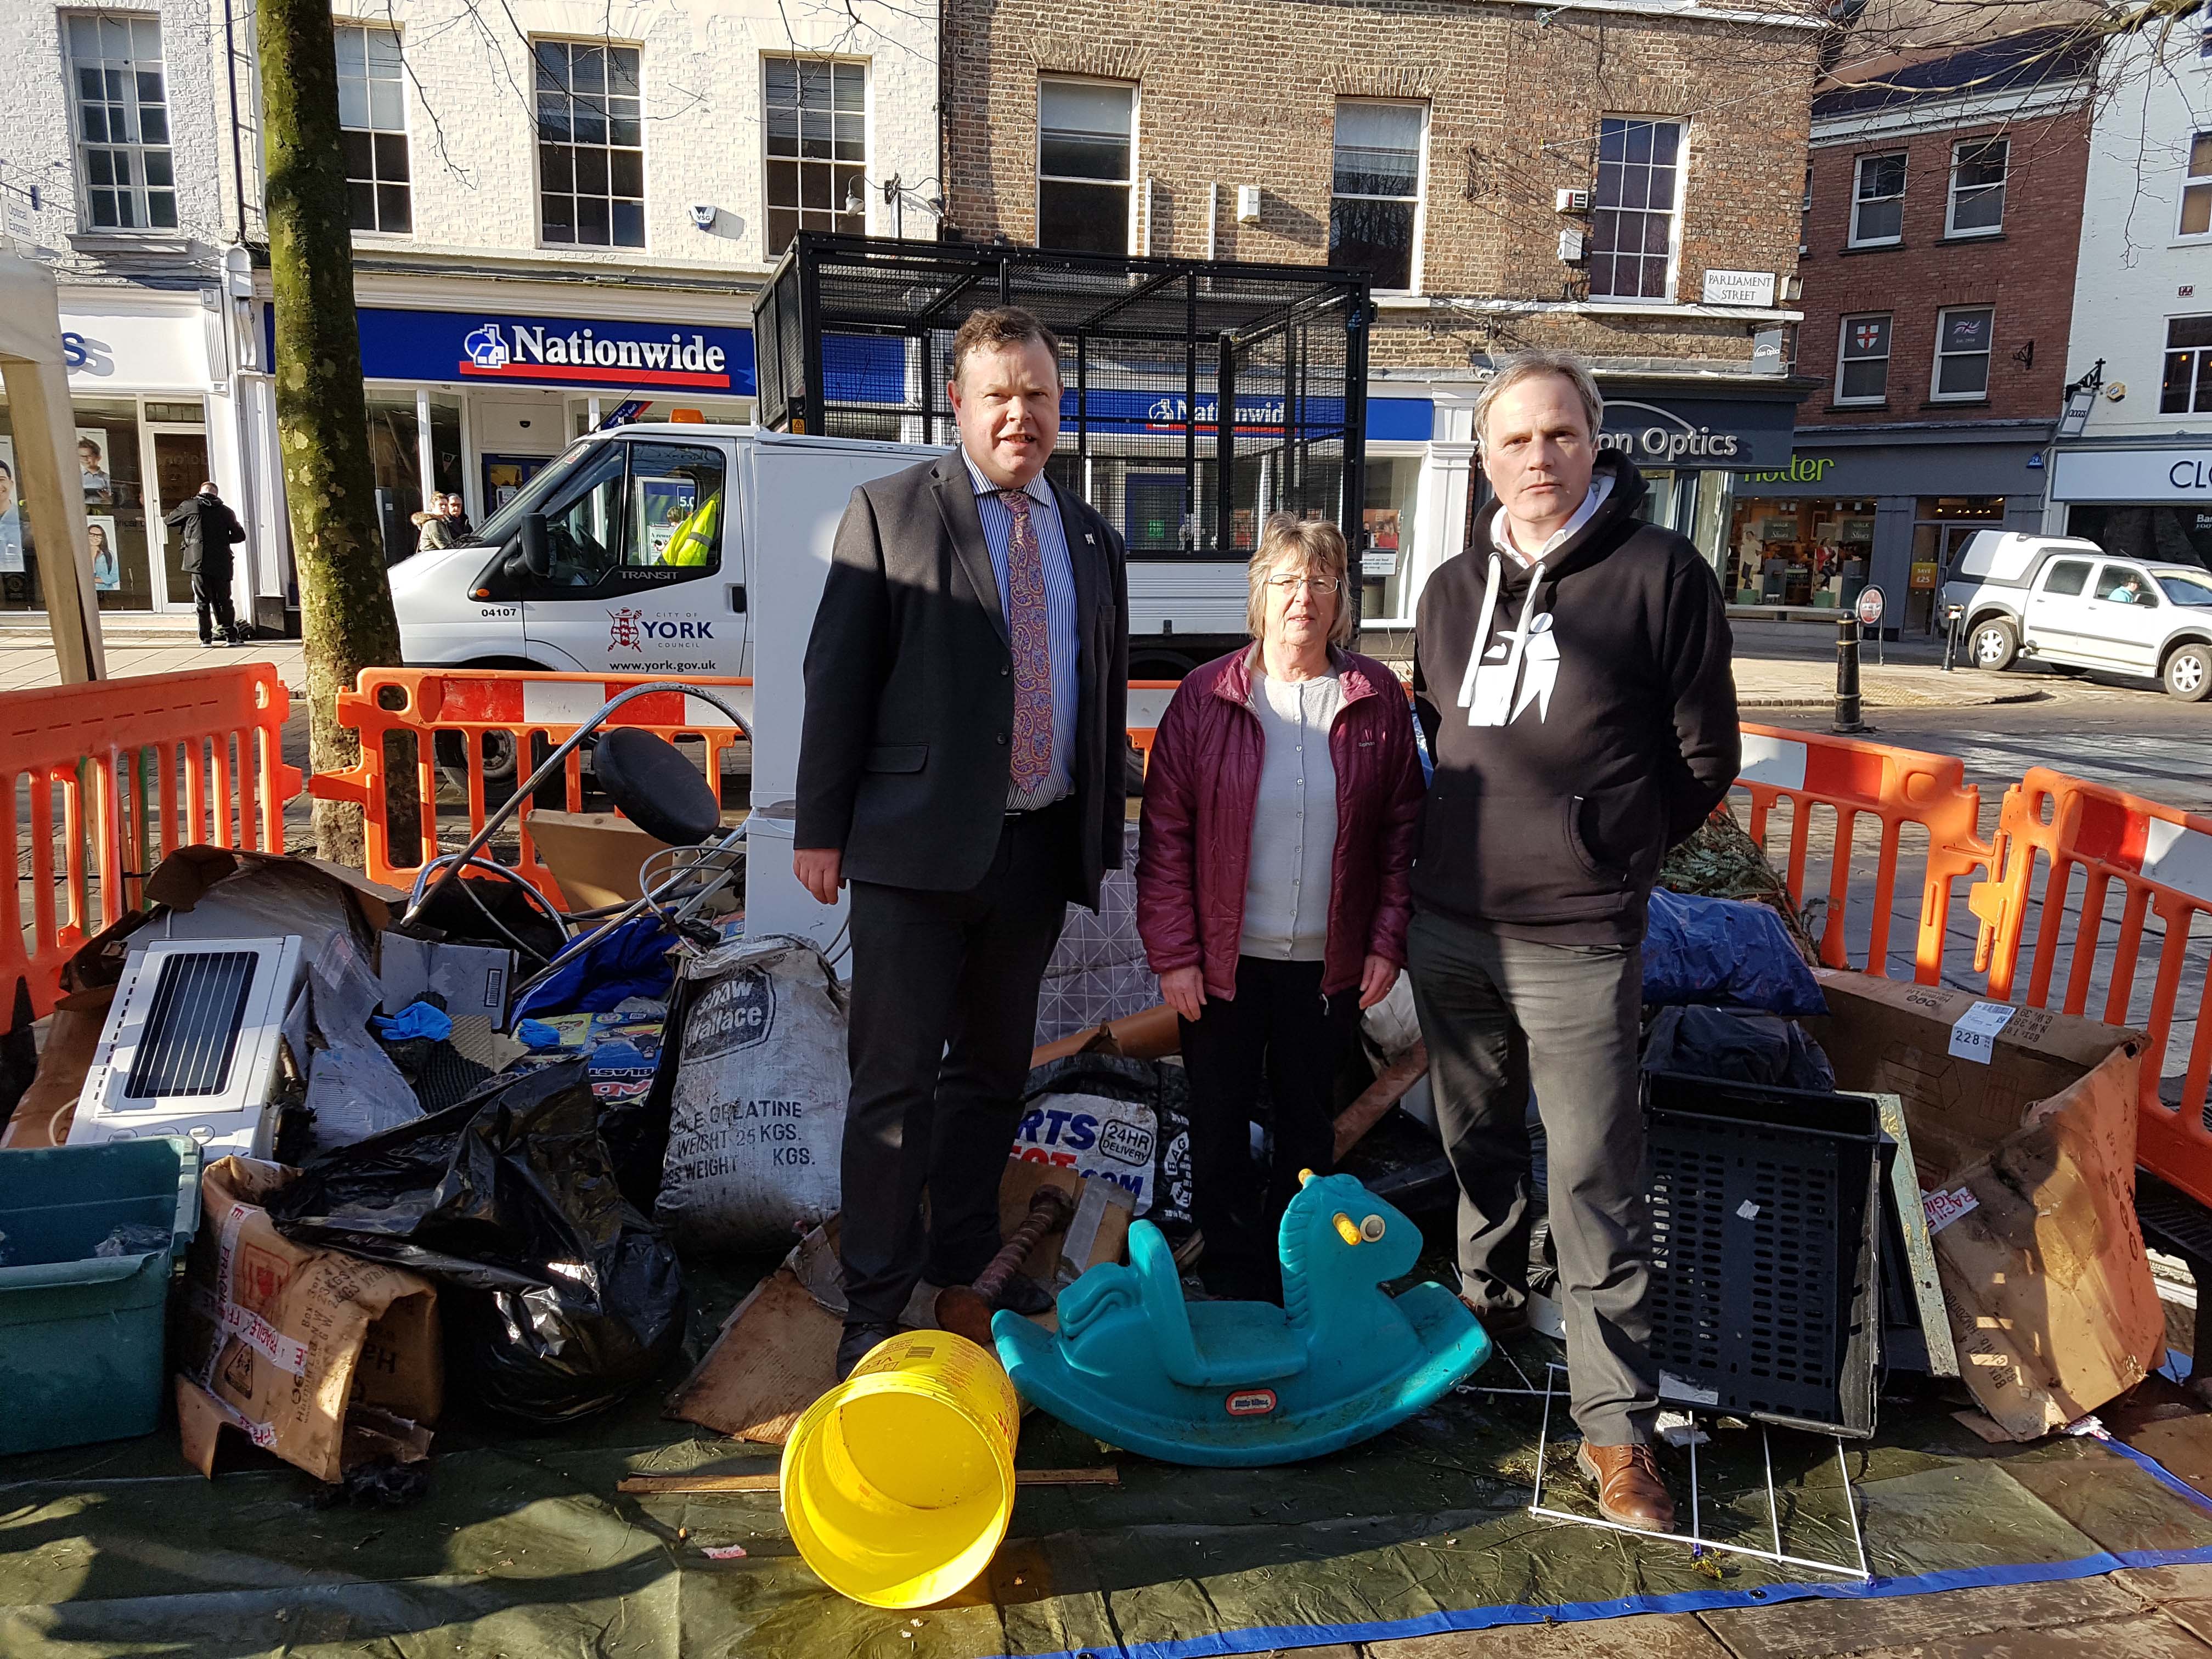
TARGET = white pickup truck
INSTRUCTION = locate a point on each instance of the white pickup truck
(2068, 601)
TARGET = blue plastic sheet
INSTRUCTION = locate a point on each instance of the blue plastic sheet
(1724, 950)
(624, 961)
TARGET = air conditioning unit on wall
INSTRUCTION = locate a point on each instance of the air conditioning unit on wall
(189, 1046)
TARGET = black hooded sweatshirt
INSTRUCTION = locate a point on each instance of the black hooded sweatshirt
(1600, 732)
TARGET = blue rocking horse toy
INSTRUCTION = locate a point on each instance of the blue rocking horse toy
(1239, 1384)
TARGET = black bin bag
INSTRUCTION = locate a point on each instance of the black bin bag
(560, 1297)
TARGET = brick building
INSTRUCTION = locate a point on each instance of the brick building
(1431, 141)
(610, 180)
(1944, 207)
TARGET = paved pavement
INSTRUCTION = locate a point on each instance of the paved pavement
(26, 655)
(1778, 666)
(2151, 1613)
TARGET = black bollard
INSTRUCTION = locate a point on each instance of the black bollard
(1953, 615)
(1847, 675)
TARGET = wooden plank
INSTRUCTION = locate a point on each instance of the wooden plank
(776, 1355)
(1377, 1099)
(701, 1483)
(2147, 1636)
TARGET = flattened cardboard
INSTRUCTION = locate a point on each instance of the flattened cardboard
(594, 856)
(42, 1117)
(2049, 1292)
(312, 1354)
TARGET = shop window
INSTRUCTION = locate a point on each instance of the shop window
(1384, 580)
(1375, 198)
(1787, 551)
(1978, 187)
(817, 148)
(1878, 202)
(1086, 154)
(2187, 387)
(1962, 352)
(107, 455)
(2197, 188)
(1863, 360)
(591, 139)
(123, 122)
(2176, 534)
(372, 129)
(1635, 209)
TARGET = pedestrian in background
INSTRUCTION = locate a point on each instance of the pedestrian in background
(1572, 673)
(207, 529)
(433, 529)
(1279, 816)
(960, 763)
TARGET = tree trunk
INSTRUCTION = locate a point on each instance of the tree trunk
(346, 618)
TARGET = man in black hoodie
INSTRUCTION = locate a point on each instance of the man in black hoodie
(1571, 671)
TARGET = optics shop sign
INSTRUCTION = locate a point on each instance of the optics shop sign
(1700, 434)
(489, 346)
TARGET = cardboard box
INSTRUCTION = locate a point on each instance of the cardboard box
(2023, 1128)
(322, 1357)
(595, 857)
(1962, 1096)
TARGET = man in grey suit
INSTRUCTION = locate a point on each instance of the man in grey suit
(961, 766)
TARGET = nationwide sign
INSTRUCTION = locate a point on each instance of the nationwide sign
(702, 359)
(584, 354)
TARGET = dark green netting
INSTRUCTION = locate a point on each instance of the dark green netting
(524, 1549)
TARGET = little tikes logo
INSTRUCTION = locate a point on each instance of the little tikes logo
(541, 351)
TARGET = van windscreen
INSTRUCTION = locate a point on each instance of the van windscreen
(502, 525)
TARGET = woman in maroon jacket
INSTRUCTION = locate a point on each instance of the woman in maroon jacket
(1280, 810)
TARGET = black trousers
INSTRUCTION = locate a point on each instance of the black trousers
(211, 594)
(944, 999)
(1279, 1028)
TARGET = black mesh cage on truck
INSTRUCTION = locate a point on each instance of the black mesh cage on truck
(854, 337)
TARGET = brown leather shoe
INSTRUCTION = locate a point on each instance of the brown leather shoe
(1630, 1492)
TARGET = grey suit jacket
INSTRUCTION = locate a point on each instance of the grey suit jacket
(904, 756)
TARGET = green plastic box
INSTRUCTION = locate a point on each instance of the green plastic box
(82, 1334)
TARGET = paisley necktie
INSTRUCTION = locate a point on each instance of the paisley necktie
(1027, 633)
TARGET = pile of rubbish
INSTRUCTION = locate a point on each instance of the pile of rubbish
(401, 1148)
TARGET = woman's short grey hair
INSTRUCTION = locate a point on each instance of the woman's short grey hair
(1527, 366)
(1292, 545)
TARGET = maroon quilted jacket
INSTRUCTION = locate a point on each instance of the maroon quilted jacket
(1196, 841)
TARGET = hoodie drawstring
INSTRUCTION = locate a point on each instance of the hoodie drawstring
(1482, 638)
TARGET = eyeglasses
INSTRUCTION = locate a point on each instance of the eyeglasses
(1319, 587)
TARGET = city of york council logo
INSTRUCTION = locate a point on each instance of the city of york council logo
(623, 633)
(487, 347)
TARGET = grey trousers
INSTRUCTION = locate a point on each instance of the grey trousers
(1498, 1015)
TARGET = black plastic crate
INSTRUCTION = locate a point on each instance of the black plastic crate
(1765, 1260)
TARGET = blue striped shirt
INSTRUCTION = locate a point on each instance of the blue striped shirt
(1061, 641)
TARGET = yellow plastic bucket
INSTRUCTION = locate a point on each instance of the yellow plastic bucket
(898, 1483)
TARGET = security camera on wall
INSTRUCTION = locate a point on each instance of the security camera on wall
(702, 215)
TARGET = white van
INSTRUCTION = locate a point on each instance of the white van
(654, 538)
(637, 551)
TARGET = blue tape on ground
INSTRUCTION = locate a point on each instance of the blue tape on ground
(1267, 1638)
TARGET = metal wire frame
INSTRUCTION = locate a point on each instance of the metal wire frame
(1695, 1537)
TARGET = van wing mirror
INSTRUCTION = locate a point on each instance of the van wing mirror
(537, 546)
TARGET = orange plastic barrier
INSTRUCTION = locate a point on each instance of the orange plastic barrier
(509, 708)
(1894, 786)
(2161, 858)
(118, 775)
